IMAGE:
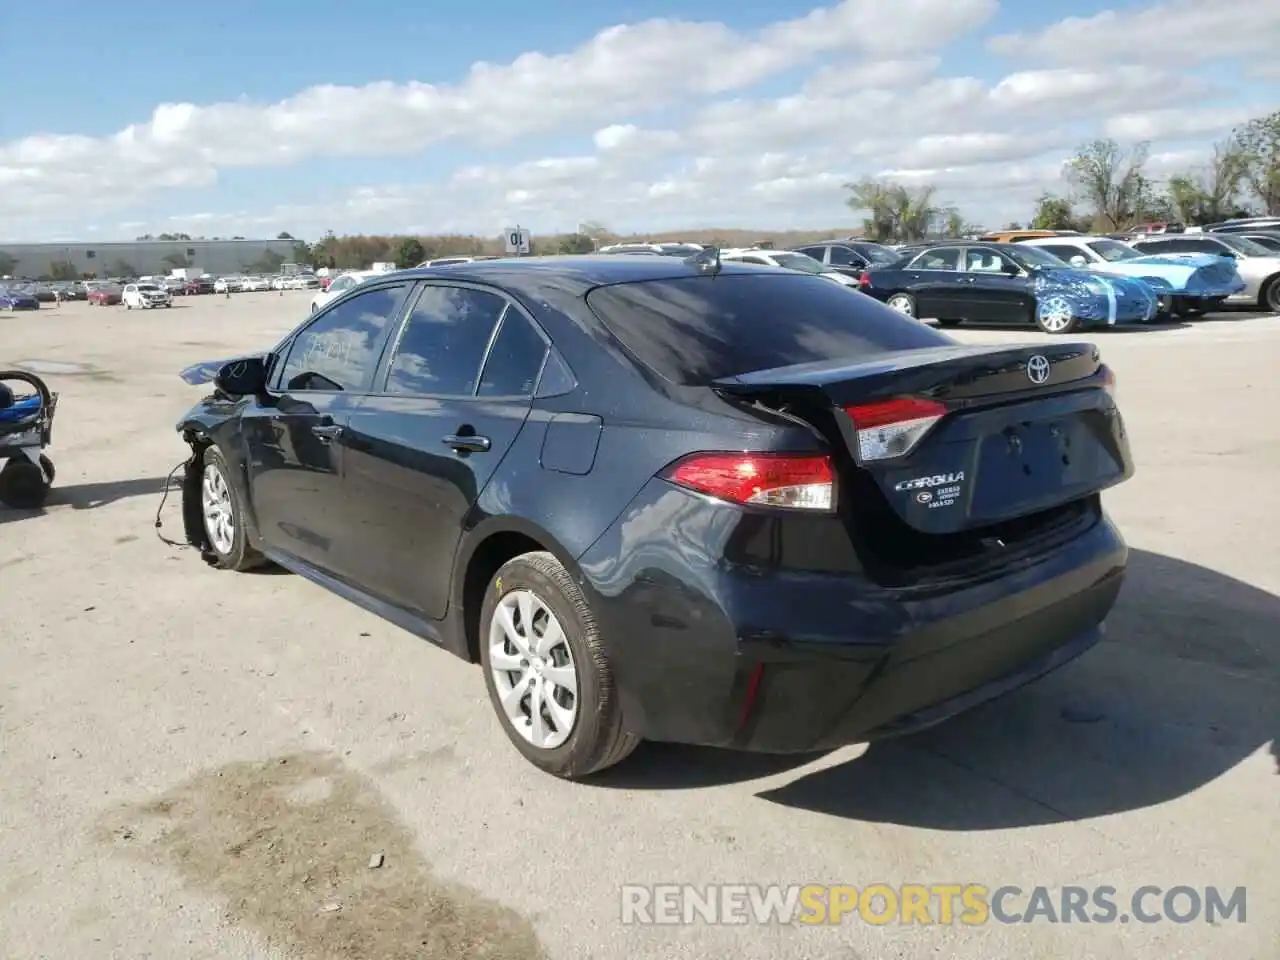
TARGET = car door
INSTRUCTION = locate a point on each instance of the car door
(934, 278)
(845, 260)
(129, 295)
(454, 392)
(296, 437)
(996, 290)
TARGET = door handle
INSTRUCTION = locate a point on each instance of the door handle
(327, 431)
(468, 442)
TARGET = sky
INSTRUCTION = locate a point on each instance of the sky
(236, 119)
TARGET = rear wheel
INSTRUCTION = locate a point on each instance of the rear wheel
(23, 485)
(1269, 296)
(904, 303)
(1056, 315)
(544, 665)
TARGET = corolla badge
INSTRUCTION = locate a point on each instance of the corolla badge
(1038, 369)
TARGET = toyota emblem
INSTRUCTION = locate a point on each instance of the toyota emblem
(1038, 369)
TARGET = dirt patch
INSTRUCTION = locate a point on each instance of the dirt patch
(309, 854)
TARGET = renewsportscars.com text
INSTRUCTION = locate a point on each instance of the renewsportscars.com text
(926, 904)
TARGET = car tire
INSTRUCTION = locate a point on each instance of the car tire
(226, 539)
(1055, 315)
(1269, 295)
(22, 484)
(904, 303)
(538, 583)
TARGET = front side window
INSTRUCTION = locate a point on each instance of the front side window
(444, 342)
(842, 257)
(339, 351)
(1113, 251)
(944, 258)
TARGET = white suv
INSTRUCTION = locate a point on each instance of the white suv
(144, 296)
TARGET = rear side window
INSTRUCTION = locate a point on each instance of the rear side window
(693, 330)
(514, 360)
(444, 341)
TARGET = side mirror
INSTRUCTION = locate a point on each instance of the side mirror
(1078, 261)
(1010, 269)
(243, 378)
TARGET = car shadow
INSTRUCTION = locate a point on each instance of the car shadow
(88, 496)
(1183, 689)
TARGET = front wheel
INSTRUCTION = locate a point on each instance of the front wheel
(222, 515)
(1056, 315)
(546, 671)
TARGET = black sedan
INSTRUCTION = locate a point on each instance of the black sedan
(1006, 283)
(673, 499)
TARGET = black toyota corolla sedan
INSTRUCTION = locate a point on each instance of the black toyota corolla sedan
(672, 499)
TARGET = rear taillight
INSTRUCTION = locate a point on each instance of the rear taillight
(893, 428)
(864, 280)
(792, 481)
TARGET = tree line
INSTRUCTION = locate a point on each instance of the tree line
(1107, 190)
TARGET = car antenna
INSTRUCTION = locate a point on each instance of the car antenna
(707, 261)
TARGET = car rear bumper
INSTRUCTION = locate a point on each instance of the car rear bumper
(708, 652)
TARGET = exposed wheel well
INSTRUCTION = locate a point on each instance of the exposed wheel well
(484, 563)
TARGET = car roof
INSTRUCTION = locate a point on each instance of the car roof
(572, 274)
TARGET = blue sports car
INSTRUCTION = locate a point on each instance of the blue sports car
(1192, 284)
(13, 298)
(1007, 283)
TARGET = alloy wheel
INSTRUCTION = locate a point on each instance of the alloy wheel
(219, 513)
(1055, 314)
(533, 669)
(902, 304)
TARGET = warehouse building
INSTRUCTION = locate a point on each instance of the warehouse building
(135, 258)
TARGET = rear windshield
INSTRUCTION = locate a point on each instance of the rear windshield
(693, 330)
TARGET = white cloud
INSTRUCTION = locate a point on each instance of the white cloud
(1177, 124)
(1181, 32)
(666, 128)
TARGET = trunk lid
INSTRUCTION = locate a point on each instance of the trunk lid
(993, 435)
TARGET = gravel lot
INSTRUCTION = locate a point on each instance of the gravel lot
(199, 764)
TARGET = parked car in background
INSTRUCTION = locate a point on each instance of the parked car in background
(340, 285)
(450, 261)
(145, 296)
(658, 500)
(303, 281)
(850, 257)
(1263, 238)
(1244, 224)
(658, 249)
(231, 284)
(18, 298)
(789, 260)
(71, 289)
(1258, 267)
(1017, 236)
(1188, 286)
(1007, 283)
(255, 284)
(42, 292)
(105, 295)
